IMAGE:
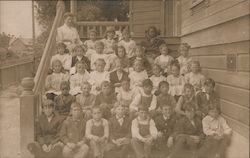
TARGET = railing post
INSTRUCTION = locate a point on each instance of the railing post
(27, 116)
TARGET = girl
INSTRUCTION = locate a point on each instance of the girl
(99, 48)
(183, 59)
(86, 100)
(137, 75)
(98, 76)
(121, 54)
(97, 131)
(195, 77)
(63, 56)
(176, 81)
(186, 100)
(156, 78)
(53, 81)
(91, 43)
(127, 43)
(79, 52)
(76, 80)
(109, 40)
(164, 60)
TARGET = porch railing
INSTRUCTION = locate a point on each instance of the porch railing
(100, 27)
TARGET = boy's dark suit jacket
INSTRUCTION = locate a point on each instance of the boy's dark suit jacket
(114, 78)
(117, 130)
(84, 59)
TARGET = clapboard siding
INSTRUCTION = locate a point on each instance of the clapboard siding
(145, 17)
(213, 32)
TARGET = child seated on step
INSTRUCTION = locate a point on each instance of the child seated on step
(119, 133)
(137, 75)
(207, 96)
(156, 78)
(165, 124)
(184, 59)
(98, 76)
(176, 81)
(80, 52)
(187, 99)
(109, 40)
(106, 99)
(164, 97)
(90, 43)
(76, 80)
(86, 100)
(62, 55)
(144, 132)
(97, 131)
(72, 134)
(120, 53)
(188, 134)
(164, 60)
(64, 100)
(99, 54)
(128, 43)
(48, 127)
(54, 80)
(217, 132)
(118, 75)
(144, 98)
(195, 77)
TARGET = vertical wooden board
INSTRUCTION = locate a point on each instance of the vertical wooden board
(243, 62)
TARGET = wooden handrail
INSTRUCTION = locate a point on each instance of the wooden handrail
(103, 23)
(48, 50)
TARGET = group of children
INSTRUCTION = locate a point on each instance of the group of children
(108, 98)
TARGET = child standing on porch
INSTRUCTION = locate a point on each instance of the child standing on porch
(97, 131)
(127, 43)
(184, 59)
(90, 44)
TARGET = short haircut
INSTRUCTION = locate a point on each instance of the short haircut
(101, 60)
(99, 43)
(56, 61)
(47, 103)
(64, 83)
(163, 83)
(163, 45)
(176, 64)
(96, 107)
(61, 44)
(83, 47)
(75, 105)
(147, 83)
(209, 81)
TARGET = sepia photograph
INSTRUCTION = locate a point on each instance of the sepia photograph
(124, 78)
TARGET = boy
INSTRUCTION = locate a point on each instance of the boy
(217, 133)
(188, 133)
(72, 134)
(209, 96)
(164, 98)
(48, 127)
(144, 133)
(145, 98)
(165, 124)
(80, 52)
(119, 127)
(64, 100)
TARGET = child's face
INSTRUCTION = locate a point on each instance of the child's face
(213, 113)
(96, 114)
(99, 66)
(79, 52)
(80, 68)
(61, 50)
(92, 35)
(184, 52)
(110, 35)
(106, 89)
(76, 112)
(189, 92)
(195, 68)
(57, 67)
(125, 85)
(143, 114)
(138, 52)
(208, 88)
(151, 33)
(118, 65)
(65, 89)
(121, 53)
(99, 49)
(164, 50)
(167, 111)
(164, 89)
(119, 111)
(190, 114)
(147, 89)
(85, 89)
(48, 110)
(69, 21)
(156, 71)
(175, 70)
(138, 67)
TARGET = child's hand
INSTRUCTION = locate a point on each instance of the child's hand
(170, 142)
(71, 145)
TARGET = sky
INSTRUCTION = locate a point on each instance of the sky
(16, 18)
